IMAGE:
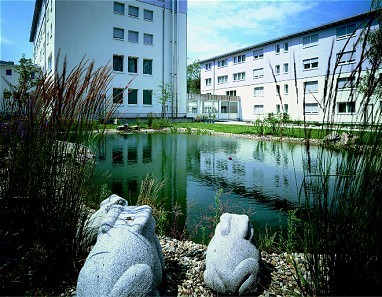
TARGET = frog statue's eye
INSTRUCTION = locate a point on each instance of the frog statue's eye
(121, 202)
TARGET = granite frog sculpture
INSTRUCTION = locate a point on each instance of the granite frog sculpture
(94, 222)
(127, 258)
(232, 260)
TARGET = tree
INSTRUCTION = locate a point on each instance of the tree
(164, 95)
(193, 77)
(27, 80)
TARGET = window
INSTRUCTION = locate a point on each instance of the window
(311, 86)
(231, 93)
(133, 11)
(345, 83)
(7, 94)
(239, 76)
(119, 8)
(277, 49)
(277, 69)
(8, 72)
(147, 97)
(259, 91)
(133, 36)
(117, 95)
(147, 66)
(148, 15)
(50, 63)
(222, 79)
(51, 30)
(239, 59)
(258, 73)
(223, 63)
(346, 107)
(286, 47)
(258, 109)
(132, 97)
(310, 63)
(346, 31)
(310, 40)
(277, 108)
(346, 57)
(286, 89)
(208, 81)
(118, 33)
(311, 108)
(286, 68)
(258, 54)
(208, 66)
(148, 39)
(117, 63)
(133, 65)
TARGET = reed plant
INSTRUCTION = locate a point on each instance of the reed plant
(167, 221)
(340, 195)
(45, 172)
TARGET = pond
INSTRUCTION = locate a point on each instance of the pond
(259, 178)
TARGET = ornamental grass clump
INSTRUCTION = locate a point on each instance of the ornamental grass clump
(45, 172)
(341, 193)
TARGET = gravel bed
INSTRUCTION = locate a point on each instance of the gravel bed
(185, 265)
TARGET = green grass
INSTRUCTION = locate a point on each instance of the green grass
(289, 131)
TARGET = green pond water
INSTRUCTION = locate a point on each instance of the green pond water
(259, 178)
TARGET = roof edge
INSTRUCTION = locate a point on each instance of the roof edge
(310, 30)
(36, 17)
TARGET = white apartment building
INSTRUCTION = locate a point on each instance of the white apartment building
(9, 78)
(288, 74)
(143, 41)
(8, 75)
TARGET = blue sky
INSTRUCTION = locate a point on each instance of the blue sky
(214, 26)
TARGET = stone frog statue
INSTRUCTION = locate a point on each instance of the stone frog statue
(94, 222)
(127, 258)
(232, 260)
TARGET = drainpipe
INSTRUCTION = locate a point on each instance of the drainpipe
(213, 86)
(172, 56)
(45, 39)
(163, 47)
(177, 59)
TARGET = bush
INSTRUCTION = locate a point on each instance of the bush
(160, 123)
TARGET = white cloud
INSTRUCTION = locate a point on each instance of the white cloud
(6, 41)
(216, 27)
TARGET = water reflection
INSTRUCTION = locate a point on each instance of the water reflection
(263, 176)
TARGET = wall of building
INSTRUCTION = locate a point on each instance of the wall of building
(85, 29)
(291, 80)
(8, 75)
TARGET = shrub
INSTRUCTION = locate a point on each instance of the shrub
(160, 123)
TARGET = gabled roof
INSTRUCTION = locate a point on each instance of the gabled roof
(36, 17)
(310, 30)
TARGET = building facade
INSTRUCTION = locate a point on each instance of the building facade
(143, 41)
(294, 74)
(8, 76)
